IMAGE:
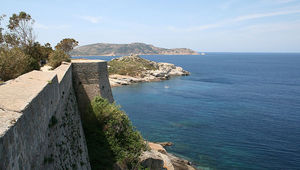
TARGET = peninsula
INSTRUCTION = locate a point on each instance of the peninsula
(105, 49)
(134, 69)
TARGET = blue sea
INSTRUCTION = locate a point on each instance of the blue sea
(235, 110)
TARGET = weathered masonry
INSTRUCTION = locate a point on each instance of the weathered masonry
(90, 78)
(40, 123)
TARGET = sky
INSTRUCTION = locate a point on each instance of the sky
(202, 25)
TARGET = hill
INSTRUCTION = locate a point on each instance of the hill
(105, 49)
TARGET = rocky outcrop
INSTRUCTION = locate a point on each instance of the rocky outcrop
(180, 164)
(165, 143)
(158, 158)
(105, 49)
(152, 159)
(158, 72)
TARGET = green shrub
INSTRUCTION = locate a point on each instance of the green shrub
(38, 52)
(14, 62)
(57, 57)
(124, 142)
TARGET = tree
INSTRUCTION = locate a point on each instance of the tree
(46, 50)
(1, 29)
(21, 29)
(66, 45)
(19, 53)
(11, 40)
(14, 62)
(57, 57)
(38, 52)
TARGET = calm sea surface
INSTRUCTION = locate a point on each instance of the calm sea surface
(235, 110)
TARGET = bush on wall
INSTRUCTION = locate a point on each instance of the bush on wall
(120, 142)
(57, 57)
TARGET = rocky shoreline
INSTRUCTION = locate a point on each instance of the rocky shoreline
(158, 158)
(163, 71)
(136, 70)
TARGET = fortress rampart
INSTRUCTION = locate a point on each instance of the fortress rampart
(40, 123)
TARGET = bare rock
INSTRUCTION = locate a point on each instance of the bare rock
(157, 147)
(165, 143)
(170, 161)
(180, 164)
(152, 160)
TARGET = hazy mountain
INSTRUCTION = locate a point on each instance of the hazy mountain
(105, 49)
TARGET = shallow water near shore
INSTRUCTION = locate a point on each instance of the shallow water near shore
(235, 110)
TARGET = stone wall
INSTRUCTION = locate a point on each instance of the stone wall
(90, 79)
(40, 125)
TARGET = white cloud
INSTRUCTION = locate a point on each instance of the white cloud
(91, 19)
(234, 20)
(263, 15)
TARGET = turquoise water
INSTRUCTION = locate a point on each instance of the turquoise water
(235, 111)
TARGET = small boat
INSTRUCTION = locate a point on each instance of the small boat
(202, 53)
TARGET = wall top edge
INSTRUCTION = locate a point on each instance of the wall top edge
(87, 61)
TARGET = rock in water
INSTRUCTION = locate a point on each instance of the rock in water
(165, 143)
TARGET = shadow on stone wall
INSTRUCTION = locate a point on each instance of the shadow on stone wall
(99, 151)
(87, 80)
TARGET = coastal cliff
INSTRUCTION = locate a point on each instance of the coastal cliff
(105, 49)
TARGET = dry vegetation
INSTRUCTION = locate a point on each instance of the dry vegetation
(130, 65)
